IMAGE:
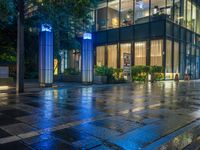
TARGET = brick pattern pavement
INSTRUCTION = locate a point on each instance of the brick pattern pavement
(164, 115)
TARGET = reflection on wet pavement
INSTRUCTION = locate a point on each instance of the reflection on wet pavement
(163, 115)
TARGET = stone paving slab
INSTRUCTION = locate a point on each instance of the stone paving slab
(119, 117)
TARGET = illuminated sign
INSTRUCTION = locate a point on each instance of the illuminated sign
(46, 27)
(87, 36)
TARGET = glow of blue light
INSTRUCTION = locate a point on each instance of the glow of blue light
(46, 27)
(87, 58)
(87, 36)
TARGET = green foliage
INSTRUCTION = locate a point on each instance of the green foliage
(113, 75)
(69, 19)
(140, 73)
(6, 81)
(8, 10)
(156, 69)
(6, 57)
(118, 75)
(71, 71)
(157, 73)
(104, 71)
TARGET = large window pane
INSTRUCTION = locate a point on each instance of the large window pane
(112, 56)
(182, 61)
(126, 14)
(177, 16)
(176, 58)
(197, 63)
(168, 59)
(169, 9)
(113, 14)
(100, 56)
(194, 16)
(101, 14)
(189, 14)
(140, 53)
(158, 7)
(183, 16)
(124, 49)
(156, 52)
(193, 63)
(198, 19)
(141, 13)
(188, 49)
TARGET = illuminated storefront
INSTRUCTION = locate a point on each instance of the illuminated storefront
(155, 32)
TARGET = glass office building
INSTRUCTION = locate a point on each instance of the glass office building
(154, 32)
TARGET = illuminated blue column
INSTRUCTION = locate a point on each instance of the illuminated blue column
(46, 56)
(87, 59)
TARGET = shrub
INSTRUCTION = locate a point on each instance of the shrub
(70, 71)
(157, 73)
(118, 75)
(156, 69)
(140, 73)
(113, 75)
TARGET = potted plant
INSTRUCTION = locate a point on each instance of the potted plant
(157, 73)
(140, 73)
(101, 75)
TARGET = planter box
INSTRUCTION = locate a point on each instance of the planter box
(68, 78)
(100, 79)
(5, 81)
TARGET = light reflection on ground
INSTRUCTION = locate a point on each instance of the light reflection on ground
(163, 115)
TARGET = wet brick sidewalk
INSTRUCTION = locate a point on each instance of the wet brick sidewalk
(163, 115)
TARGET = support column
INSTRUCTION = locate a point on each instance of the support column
(46, 56)
(20, 48)
(87, 59)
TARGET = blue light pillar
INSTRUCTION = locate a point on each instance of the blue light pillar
(46, 56)
(87, 59)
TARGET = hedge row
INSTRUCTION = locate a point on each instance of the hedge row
(139, 73)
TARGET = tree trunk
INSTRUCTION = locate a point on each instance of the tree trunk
(20, 48)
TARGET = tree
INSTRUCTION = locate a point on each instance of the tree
(7, 31)
(69, 19)
(20, 46)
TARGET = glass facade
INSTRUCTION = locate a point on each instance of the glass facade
(113, 14)
(189, 14)
(182, 60)
(158, 7)
(194, 16)
(112, 56)
(177, 11)
(176, 58)
(126, 13)
(197, 63)
(124, 49)
(119, 13)
(141, 11)
(155, 33)
(140, 54)
(168, 70)
(101, 16)
(188, 59)
(100, 56)
(156, 52)
(193, 62)
(198, 20)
